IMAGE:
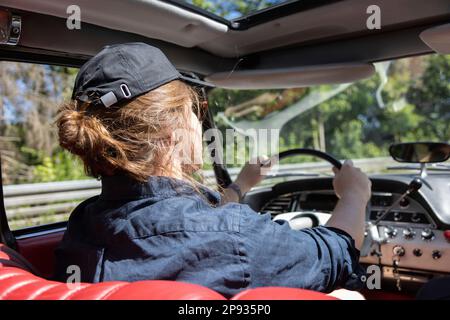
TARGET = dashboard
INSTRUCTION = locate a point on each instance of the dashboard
(416, 231)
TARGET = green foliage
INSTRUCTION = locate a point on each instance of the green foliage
(431, 94)
(59, 167)
(234, 8)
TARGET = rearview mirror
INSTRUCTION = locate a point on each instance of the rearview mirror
(420, 152)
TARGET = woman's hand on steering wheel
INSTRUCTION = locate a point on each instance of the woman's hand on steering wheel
(351, 182)
(253, 172)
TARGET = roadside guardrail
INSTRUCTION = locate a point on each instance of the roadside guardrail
(35, 199)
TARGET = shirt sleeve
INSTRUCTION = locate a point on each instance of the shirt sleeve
(320, 258)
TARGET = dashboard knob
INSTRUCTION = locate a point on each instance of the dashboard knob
(416, 217)
(398, 216)
(417, 252)
(390, 232)
(427, 234)
(398, 251)
(408, 233)
(436, 254)
(404, 203)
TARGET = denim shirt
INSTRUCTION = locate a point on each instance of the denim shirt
(166, 230)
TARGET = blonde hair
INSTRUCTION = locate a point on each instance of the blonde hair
(134, 138)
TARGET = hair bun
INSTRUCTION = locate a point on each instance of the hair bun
(70, 128)
(85, 135)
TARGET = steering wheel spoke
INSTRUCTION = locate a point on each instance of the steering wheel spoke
(303, 219)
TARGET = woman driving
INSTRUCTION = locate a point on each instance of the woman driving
(152, 220)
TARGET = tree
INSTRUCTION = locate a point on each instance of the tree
(234, 8)
(30, 95)
(430, 93)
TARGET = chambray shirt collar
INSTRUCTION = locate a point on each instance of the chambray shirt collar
(122, 187)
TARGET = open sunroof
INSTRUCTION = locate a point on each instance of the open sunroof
(233, 10)
(242, 14)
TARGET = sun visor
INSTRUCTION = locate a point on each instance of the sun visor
(292, 77)
(437, 38)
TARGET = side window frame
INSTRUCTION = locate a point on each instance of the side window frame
(18, 54)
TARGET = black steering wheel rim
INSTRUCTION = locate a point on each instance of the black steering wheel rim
(323, 155)
(311, 152)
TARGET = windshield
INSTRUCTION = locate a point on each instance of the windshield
(405, 100)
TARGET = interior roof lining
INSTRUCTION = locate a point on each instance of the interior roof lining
(92, 38)
(259, 16)
(182, 27)
(394, 44)
(173, 24)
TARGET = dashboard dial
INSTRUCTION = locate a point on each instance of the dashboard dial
(408, 233)
(427, 234)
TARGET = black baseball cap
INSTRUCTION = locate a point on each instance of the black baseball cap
(121, 72)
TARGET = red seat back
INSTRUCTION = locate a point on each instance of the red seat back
(18, 280)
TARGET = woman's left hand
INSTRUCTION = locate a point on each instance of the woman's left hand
(253, 172)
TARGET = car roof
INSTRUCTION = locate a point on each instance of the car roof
(288, 34)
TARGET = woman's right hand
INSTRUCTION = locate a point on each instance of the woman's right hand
(351, 182)
(353, 188)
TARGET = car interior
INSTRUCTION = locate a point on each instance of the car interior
(288, 45)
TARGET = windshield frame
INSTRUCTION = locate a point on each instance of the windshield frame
(259, 16)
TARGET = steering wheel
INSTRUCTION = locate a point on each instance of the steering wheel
(295, 220)
(311, 152)
(320, 154)
(296, 215)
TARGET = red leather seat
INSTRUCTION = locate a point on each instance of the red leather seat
(18, 280)
(18, 284)
(281, 293)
